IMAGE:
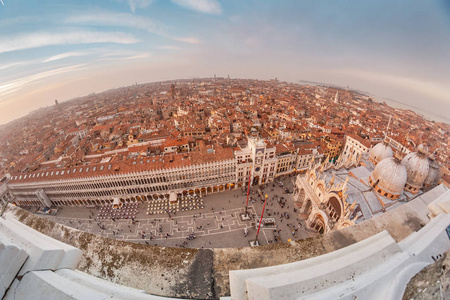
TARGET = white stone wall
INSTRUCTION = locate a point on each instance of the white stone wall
(90, 190)
(353, 148)
(375, 268)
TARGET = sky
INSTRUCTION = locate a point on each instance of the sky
(64, 49)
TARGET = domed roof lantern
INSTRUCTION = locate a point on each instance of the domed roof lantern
(422, 149)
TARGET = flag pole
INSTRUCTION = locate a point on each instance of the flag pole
(260, 221)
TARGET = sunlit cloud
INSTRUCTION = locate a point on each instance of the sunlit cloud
(189, 40)
(118, 52)
(133, 4)
(65, 55)
(204, 6)
(125, 55)
(116, 19)
(11, 65)
(139, 56)
(13, 86)
(41, 39)
(127, 20)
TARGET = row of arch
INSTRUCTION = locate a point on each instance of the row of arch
(117, 191)
(133, 199)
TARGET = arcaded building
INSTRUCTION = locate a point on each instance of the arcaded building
(207, 169)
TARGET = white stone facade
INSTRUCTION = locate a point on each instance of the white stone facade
(353, 149)
(203, 178)
(324, 203)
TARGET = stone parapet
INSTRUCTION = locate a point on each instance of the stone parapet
(12, 258)
(375, 268)
(68, 284)
(300, 278)
(44, 253)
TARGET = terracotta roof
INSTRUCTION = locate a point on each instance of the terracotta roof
(117, 166)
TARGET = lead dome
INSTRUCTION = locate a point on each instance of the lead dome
(389, 178)
(379, 152)
(417, 168)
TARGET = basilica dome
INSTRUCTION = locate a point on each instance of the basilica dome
(389, 178)
(379, 152)
(417, 167)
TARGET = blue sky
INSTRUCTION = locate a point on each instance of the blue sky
(63, 49)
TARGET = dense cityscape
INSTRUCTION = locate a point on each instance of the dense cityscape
(192, 116)
(224, 150)
(193, 163)
(168, 142)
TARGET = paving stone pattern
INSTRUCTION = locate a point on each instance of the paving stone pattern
(217, 225)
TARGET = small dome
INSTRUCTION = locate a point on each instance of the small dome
(433, 174)
(417, 166)
(390, 175)
(380, 152)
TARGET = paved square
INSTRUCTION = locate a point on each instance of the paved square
(217, 225)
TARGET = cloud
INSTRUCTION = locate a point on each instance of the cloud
(124, 55)
(127, 20)
(65, 55)
(13, 86)
(116, 19)
(204, 6)
(41, 39)
(139, 56)
(189, 40)
(118, 52)
(11, 65)
(169, 47)
(20, 20)
(137, 4)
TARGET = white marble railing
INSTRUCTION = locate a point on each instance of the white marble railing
(375, 268)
